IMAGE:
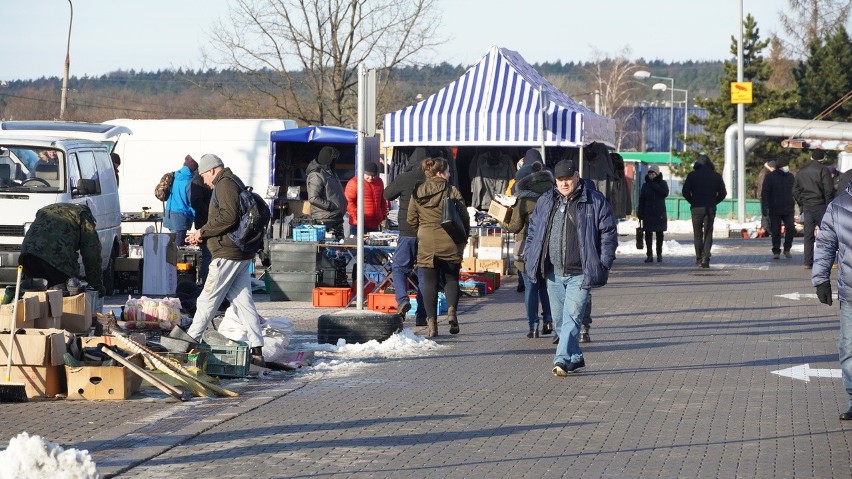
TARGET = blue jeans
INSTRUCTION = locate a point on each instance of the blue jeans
(568, 303)
(404, 259)
(535, 294)
(844, 347)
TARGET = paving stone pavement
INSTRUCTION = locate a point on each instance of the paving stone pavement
(678, 383)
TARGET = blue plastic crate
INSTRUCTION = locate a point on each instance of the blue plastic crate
(442, 305)
(312, 233)
(377, 276)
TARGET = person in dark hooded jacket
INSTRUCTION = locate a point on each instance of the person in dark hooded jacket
(776, 202)
(652, 211)
(325, 193)
(406, 248)
(437, 253)
(532, 180)
(813, 191)
(703, 189)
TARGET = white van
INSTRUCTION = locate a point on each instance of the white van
(36, 171)
(159, 146)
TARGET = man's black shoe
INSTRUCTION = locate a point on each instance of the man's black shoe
(584, 336)
(560, 369)
(420, 321)
(846, 416)
(576, 367)
(546, 328)
(521, 286)
(555, 339)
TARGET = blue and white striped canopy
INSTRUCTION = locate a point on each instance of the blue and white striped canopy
(498, 102)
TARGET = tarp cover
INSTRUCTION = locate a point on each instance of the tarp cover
(324, 134)
(497, 102)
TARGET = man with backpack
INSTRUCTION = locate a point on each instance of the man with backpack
(178, 213)
(232, 255)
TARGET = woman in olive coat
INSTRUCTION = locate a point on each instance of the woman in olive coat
(652, 210)
(437, 254)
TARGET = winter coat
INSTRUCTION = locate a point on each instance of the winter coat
(199, 198)
(776, 198)
(325, 193)
(223, 217)
(703, 187)
(490, 172)
(58, 232)
(402, 187)
(619, 198)
(835, 236)
(652, 204)
(842, 181)
(375, 206)
(813, 188)
(179, 212)
(424, 215)
(596, 232)
(528, 189)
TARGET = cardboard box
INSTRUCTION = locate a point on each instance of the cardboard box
(48, 323)
(77, 313)
(299, 207)
(494, 241)
(50, 302)
(40, 381)
(35, 347)
(468, 264)
(495, 265)
(93, 381)
(500, 212)
(28, 310)
(489, 253)
(127, 264)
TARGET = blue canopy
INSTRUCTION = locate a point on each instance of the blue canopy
(309, 134)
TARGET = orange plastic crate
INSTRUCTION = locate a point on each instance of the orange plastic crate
(382, 302)
(332, 297)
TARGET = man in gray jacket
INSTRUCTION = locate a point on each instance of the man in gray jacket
(325, 193)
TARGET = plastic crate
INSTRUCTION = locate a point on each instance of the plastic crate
(382, 302)
(376, 276)
(472, 288)
(228, 361)
(332, 297)
(442, 305)
(193, 359)
(488, 279)
(312, 233)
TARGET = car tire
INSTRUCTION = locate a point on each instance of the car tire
(356, 326)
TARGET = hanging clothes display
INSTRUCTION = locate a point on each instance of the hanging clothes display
(490, 172)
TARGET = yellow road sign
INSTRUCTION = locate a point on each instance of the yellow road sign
(741, 92)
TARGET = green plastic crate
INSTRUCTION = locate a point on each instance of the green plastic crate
(228, 361)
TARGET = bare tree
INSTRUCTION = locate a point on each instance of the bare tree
(302, 55)
(807, 20)
(613, 78)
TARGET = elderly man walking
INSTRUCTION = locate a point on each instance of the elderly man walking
(570, 245)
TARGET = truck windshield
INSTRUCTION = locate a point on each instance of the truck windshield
(29, 169)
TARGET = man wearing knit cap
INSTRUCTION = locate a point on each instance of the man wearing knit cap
(325, 193)
(813, 191)
(179, 213)
(568, 226)
(229, 270)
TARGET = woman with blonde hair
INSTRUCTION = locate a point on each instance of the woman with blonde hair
(437, 253)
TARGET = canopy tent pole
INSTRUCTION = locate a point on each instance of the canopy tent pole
(542, 105)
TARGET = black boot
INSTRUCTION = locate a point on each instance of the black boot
(257, 356)
(453, 320)
(649, 258)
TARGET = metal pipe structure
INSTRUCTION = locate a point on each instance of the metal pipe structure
(740, 123)
(67, 65)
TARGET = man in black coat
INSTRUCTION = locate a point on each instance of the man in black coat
(703, 189)
(813, 191)
(406, 249)
(776, 202)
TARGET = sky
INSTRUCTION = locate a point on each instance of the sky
(109, 35)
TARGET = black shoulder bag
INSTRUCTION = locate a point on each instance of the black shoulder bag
(451, 219)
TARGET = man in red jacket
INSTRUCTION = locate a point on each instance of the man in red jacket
(375, 206)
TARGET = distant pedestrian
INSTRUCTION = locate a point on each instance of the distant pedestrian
(768, 167)
(325, 193)
(375, 206)
(437, 253)
(179, 213)
(571, 242)
(200, 195)
(777, 203)
(530, 184)
(229, 271)
(834, 242)
(703, 189)
(813, 191)
(652, 211)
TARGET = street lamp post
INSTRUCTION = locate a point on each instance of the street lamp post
(664, 87)
(645, 74)
(67, 65)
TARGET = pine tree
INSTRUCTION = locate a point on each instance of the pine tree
(721, 113)
(824, 78)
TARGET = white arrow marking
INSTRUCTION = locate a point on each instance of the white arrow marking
(805, 372)
(797, 296)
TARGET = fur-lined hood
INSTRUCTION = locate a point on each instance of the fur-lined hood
(535, 183)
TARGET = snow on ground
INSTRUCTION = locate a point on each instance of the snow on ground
(36, 458)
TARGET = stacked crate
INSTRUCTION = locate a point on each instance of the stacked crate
(292, 273)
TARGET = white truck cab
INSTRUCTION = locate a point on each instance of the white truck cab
(37, 170)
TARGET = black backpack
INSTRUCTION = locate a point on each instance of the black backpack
(254, 218)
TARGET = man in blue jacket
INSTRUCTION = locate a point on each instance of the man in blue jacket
(571, 241)
(834, 242)
(179, 212)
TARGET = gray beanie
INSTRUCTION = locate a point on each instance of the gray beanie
(208, 162)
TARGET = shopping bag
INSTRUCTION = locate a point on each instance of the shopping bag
(451, 220)
(640, 237)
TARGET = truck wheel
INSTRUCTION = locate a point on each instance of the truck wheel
(356, 326)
